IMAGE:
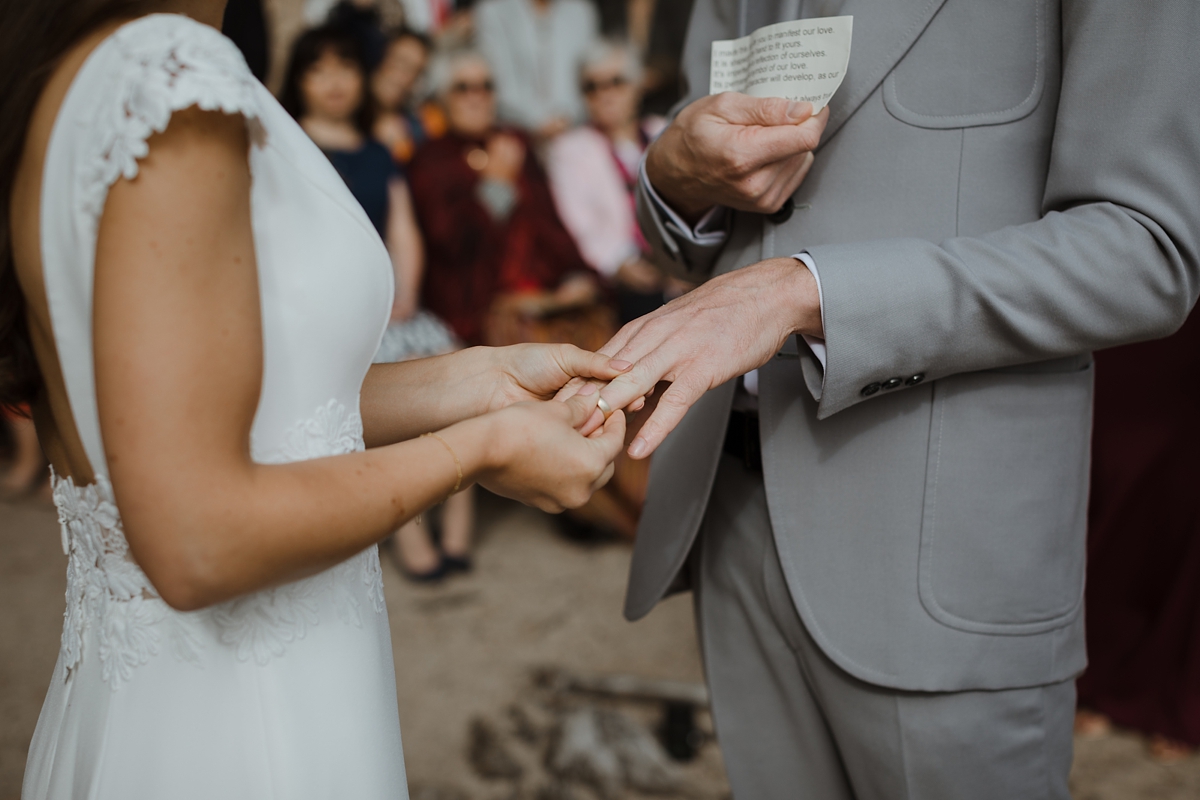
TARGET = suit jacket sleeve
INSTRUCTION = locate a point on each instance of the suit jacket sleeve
(1113, 259)
(711, 20)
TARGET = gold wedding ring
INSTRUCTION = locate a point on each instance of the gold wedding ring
(604, 407)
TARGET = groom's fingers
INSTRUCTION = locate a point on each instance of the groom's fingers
(628, 331)
(672, 407)
(623, 390)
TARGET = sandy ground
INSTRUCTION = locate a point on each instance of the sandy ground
(469, 647)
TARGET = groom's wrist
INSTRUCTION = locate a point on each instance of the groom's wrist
(799, 298)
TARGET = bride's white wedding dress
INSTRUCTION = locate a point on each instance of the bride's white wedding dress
(290, 692)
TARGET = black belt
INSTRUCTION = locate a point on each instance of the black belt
(741, 439)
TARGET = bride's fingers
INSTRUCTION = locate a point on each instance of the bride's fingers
(611, 439)
(570, 389)
(583, 363)
(603, 480)
(593, 425)
(581, 406)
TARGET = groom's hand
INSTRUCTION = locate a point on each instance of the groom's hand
(728, 326)
(748, 153)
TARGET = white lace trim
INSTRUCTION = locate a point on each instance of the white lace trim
(331, 431)
(110, 595)
(169, 63)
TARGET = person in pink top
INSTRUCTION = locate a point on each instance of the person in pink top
(593, 170)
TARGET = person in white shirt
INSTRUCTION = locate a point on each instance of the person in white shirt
(535, 48)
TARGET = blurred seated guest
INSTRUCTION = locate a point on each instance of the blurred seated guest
(501, 266)
(362, 20)
(26, 471)
(1142, 606)
(325, 90)
(246, 24)
(502, 269)
(457, 28)
(401, 125)
(593, 171)
(535, 48)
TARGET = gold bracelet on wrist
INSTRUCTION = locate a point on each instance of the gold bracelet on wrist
(457, 463)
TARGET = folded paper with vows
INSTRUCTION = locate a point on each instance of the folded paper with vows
(804, 59)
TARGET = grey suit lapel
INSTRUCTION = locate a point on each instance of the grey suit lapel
(883, 32)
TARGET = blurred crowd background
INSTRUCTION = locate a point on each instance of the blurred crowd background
(495, 145)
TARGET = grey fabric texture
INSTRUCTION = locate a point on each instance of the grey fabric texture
(791, 723)
(996, 195)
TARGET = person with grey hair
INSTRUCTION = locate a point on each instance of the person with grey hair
(535, 48)
(483, 204)
(444, 65)
(593, 173)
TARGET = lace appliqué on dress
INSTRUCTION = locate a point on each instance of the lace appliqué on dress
(110, 595)
(106, 589)
(261, 625)
(171, 63)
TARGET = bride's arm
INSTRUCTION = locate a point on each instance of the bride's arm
(178, 353)
(400, 401)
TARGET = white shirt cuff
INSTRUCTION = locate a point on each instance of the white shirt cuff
(708, 232)
(816, 345)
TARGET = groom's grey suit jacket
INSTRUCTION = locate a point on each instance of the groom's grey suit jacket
(1004, 186)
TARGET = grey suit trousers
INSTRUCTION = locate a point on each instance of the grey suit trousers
(792, 724)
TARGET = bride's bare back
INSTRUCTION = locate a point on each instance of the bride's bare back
(56, 427)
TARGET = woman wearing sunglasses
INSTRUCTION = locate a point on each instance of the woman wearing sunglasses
(593, 171)
(496, 249)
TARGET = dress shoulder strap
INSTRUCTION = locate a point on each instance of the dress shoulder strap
(126, 91)
(160, 64)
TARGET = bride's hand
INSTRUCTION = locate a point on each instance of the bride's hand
(538, 456)
(538, 371)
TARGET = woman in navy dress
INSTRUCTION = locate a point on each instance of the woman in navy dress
(325, 90)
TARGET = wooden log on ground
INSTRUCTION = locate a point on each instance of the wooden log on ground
(624, 686)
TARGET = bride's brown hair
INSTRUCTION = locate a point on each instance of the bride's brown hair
(34, 36)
